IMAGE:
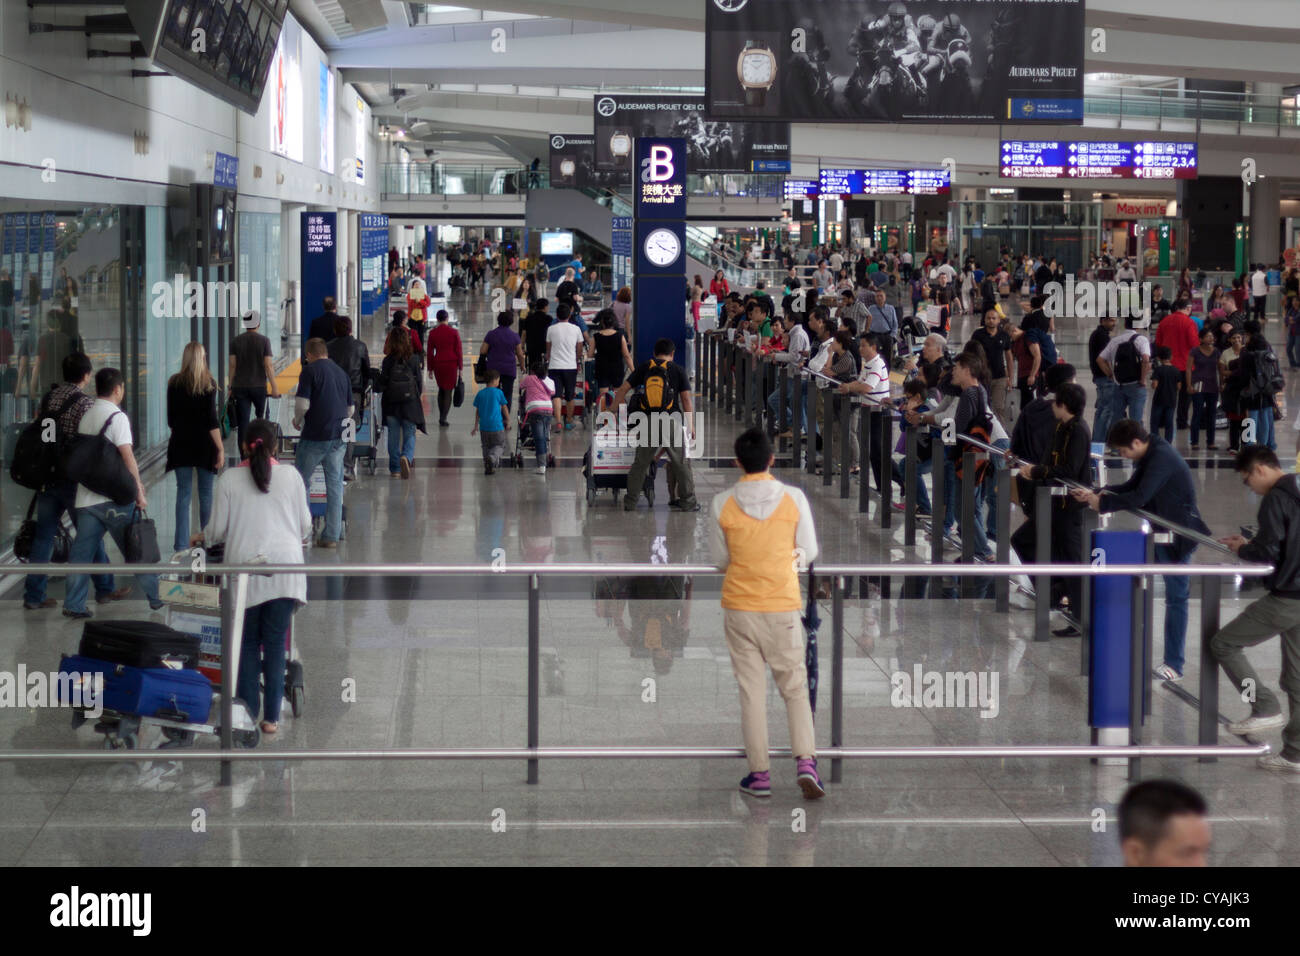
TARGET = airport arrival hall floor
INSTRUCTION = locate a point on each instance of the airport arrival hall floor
(442, 663)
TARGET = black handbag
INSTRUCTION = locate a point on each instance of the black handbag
(481, 370)
(458, 394)
(94, 461)
(25, 540)
(141, 540)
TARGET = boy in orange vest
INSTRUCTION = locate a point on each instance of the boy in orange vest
(762, 533)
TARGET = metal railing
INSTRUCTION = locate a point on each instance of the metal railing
(236, 578)
(405, 180)
(1242, 109)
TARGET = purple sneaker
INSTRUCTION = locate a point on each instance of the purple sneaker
(757, 784)
(807, 778)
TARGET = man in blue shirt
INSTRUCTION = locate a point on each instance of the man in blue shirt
(1162, 484)
(322, 404)
(884, 323)
(491, 418)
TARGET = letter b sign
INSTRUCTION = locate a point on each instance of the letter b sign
(658, 166)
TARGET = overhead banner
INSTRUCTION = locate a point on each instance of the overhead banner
(906, 61)
(884, 182)
(712, 146)
(1091, 159)
(573, 163)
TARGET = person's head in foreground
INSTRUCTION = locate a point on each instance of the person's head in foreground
(1163, 823)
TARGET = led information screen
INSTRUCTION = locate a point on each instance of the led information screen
(884, 182)
(907, 61)
(802, 189)
(1032, 159)
(712, 146)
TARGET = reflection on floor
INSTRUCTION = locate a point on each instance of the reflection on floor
(441, 662)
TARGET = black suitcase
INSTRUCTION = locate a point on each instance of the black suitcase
(139, 644)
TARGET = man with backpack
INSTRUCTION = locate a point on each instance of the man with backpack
(662, 392)
(64, 405)
(1278, 612)
(1126, 361)
(1263, 377)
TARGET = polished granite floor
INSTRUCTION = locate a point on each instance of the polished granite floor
(442, 664)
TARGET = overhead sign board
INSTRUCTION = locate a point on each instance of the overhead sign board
(1054, 159)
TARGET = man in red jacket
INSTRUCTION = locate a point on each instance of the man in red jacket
(1179, 332)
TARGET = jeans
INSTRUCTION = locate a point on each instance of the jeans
(1205, 406)
(247, 400)
(922, 492)
(261, 657)
(1177, 588)
(1162, 419)
(1128, 401)
(312, 453)
(773, 403)
(1293, 349)
(952, 507)
(184, 489)
(57, 498)
(401, 442)
(1101, 420)
(92, 524)
(540, 426)
(1263, 419)
(991, 488)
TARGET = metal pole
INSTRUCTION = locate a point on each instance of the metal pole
(1042, 555)
(837, 671)
(742, 383)
(796, 417)
(1084, 613)
(728, 376)
(939, 472)
(232, 639)
(886, 484)
(844, 405)
(782, 406)
(814, 426)
(866, 417)
(534, 670)
(1002, 583)
(910, 465)
(1136, 684)
(968, 517)
(713, 366)
(1148, 619)
(1208, 727)
(829, 399)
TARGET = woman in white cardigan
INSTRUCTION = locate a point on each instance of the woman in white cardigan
(259, 511)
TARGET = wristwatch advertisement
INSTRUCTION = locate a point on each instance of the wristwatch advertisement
(756, 70)
(620, 144)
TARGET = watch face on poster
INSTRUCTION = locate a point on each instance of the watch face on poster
(620, 144)
(757, 68)
(662, 247)
(567, 167)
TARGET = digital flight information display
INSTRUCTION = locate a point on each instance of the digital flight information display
(1034, 159)
(885, 182)
(802, 189)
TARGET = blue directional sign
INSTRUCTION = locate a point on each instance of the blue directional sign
(1051, 159)
(884, 182)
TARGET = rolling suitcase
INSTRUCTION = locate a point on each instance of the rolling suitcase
(184, 696)
(144, 644)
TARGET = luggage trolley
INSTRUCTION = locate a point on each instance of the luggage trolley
(607, 463)
(194, 607)
(366, 446)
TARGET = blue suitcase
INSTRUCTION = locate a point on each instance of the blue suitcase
(181, 695)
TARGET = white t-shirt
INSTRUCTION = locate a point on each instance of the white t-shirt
(1141, 342)
(836, 262)
(876, 376)
(1259, 284)
(563, 337)
(947, 270)
(119, 433)
(907, 258)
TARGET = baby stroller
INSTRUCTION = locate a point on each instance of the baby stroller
(459, 278)
(525, 445)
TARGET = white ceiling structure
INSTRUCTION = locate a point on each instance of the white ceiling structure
(454, 93)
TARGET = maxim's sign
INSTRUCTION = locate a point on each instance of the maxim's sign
(1139, 209)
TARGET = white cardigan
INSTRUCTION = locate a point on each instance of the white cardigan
(271, 525)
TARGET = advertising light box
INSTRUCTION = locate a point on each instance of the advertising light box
(557, 243)
(1049, 159)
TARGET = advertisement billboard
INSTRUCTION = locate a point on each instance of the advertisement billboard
(1049, 159)
(573, 162)
(284, 89)
(895, 61)
(325, 106)
(712, 146)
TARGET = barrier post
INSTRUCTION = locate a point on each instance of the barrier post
(534, 670)
(714, 348)
(1137, 657)
(741, 365)
(837, 672)
(1208, 726)
(782, 407)
(866, 413)
(829, 399)
(910, 465)
(759, 396)
(1002, 584)
(813, 425)
(796, 417)
(1084, 613)
(886, 451)
(1149, 616)
(728, 376)
(967, 524)
(232, 642)
(1042, 555)
(844, 405)
(939, 506)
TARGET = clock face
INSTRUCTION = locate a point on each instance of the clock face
(756, 68)
(662, 247)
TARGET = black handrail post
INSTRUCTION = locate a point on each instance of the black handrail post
(837, 672)
(814, 427)
(797, 413)
(1136, 658)
(829, 400)
(967, 524)
(1002, 585)
(886, 488)
(534, 670)
(939, 506)
(782, 406)
(1148, 622)
(1083, 614)
(1208, 727)
(910, 465)
(741, 364)
(866, 415)
(1042, 555)
(845, 403)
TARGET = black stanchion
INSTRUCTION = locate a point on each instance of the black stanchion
(1208, 726)
(741, 364)
(844, 408)
(782, 407)
(814, 426)
(1002, 584)
(866, 414)
(796, 418)
(728, 377)
(829, 400)
(968, 584)
(1083, 614)
(1148, 617)
(886, 452)
(910, 465)
(837, 672)
(1137, 656)
(939, 508)
(1042, 555)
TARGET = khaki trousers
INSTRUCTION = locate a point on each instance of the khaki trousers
(757, 641)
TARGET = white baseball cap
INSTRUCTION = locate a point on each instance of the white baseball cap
(252, 319)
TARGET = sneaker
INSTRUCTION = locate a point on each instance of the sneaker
(488, 469)
(568, 426)
(1166, 673)
(807, 778)
(405, 465)
(48, 602)
(757, 784)
(1068, 631)
(1269, 762)
(77, 615)
(156, 605)
(394, 474)
(541, 469)
(111, 596)
(1242, 728)
(679, 506)
(327, 544)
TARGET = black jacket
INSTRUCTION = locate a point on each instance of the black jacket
(1278, 540)
(1069, 458)
(412, 410)
(322, 327)
(1096, 345)
(350, 354)
(1161, 483)
(1031, 438)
